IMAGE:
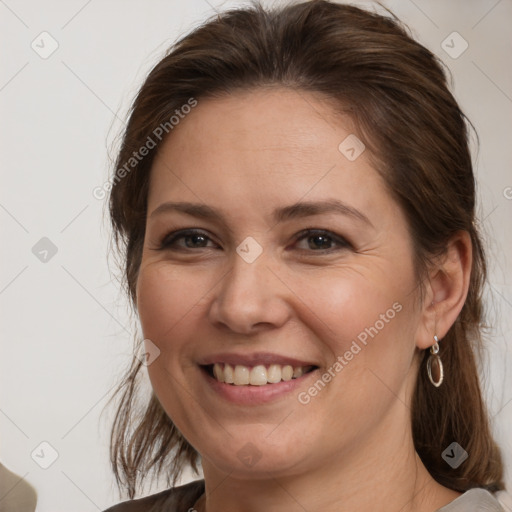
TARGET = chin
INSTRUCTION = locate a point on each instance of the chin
(253, 457)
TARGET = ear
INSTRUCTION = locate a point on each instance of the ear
(446, 290)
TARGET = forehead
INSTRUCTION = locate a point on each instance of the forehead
(261, 146)
(264, 121)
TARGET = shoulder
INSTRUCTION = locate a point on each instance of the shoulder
(179, 498)
(474, 500)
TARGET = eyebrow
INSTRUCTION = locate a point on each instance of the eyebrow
(298, 210)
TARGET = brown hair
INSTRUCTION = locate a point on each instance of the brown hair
(396, 92)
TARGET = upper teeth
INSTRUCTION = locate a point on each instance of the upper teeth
(257, 375)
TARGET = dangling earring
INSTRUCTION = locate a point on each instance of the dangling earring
(434, 365)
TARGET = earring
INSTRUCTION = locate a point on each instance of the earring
(434, 365)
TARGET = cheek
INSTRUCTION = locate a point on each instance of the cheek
(166, 313)
(367, 331)
(365, 322)
(345, 306)
(164, 301)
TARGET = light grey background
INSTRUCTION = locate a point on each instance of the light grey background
(65, 330)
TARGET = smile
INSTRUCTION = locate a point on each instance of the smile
(259, 375)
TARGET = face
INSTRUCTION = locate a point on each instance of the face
(291, 280)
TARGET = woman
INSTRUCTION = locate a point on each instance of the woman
(294, 201)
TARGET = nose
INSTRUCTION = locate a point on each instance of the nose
(250, 298)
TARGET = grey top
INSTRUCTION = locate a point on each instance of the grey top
(472, 501)
(181, 499)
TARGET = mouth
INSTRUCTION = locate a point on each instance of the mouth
(257, 375)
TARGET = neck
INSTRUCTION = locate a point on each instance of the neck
(385, 476)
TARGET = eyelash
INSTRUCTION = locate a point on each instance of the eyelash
(171, 238)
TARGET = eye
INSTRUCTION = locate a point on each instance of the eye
(192, 238)
(320, 240)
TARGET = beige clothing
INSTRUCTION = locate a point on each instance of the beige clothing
(16, 494)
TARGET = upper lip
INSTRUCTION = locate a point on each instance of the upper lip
(254, 359)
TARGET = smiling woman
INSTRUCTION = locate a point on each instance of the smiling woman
(303, 256)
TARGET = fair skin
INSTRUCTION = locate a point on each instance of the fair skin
(307, 298)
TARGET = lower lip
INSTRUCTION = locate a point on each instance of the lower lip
(255, 395)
